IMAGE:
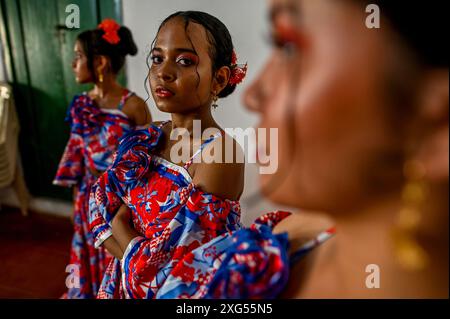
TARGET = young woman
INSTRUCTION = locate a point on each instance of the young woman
(175, 205)
(98, 119)
(362, 115)
(363, 135)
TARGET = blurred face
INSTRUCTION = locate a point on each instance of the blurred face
(181, 69)
(79, 65)
(322, 89)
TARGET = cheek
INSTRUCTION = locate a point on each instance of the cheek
(276, 113)
(336, 126)
(81, 68)
(195, 85)
(338, 111)
(151, 77)
(340, 130)
(190, 81)
(273, 99)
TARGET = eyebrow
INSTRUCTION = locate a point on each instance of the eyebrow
(180, 50)
(289, 7)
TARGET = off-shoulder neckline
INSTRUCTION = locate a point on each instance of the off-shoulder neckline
(180, 169)
(103, 109)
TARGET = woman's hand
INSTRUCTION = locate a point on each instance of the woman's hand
(122, 230)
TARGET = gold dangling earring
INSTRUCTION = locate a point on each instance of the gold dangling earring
(409, 254)
(214, 104)
(100, 80)
(100, 75)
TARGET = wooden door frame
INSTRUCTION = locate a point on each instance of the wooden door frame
(18, 75)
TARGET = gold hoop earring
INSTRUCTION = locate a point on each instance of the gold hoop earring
(409, 254)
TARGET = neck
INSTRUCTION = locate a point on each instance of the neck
(108, 86)
(365, 237)
(186, 121)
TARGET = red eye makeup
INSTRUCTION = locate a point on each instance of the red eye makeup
(187, 59)
(285, 34)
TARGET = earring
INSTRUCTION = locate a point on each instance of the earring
(214, 104)
(409, 254)
(100, 76)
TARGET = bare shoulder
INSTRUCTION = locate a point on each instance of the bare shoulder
(219, 172)
(137, 110)
(303, 226)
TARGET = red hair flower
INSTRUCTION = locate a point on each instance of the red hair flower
(110, 27)
(238, 72)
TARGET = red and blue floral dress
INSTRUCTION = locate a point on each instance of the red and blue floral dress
(192, 244)
(173, 216)
(94, 136)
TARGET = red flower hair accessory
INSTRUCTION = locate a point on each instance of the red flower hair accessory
(110, 27)
(238, 71)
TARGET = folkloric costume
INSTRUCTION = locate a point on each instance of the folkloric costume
(94, 135)
(192, 244)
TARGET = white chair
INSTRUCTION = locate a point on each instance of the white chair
(10, 168)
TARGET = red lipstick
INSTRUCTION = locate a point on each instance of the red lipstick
(164, 93)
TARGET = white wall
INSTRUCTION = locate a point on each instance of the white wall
(246, 21)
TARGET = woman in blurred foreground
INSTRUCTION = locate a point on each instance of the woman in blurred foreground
(363, 128)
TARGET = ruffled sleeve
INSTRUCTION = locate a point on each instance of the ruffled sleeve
(71, 167)
(131, 162)
(200, 217)
(248, 263)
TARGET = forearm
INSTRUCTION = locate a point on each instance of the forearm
(112, 246)
(123, 233)
(122, 230)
